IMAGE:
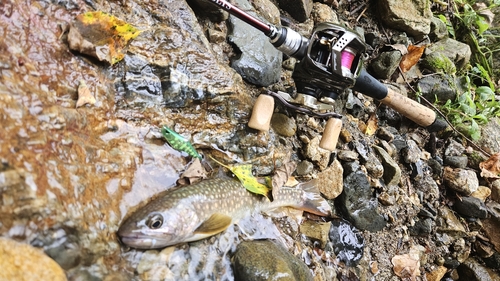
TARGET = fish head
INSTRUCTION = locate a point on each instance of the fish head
(153, 230)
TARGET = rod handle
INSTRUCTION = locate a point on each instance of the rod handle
(331, 134)
(413, 110)
(262, 112)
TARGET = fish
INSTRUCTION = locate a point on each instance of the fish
(204, 209)
(178, 142)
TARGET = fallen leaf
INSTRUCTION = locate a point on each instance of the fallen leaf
(410, 59)
(491, 167)
(100, 35)
(399, 47)
(244, 174)
(194, 173)
(84, 95)
(281, 176)
(371, 125)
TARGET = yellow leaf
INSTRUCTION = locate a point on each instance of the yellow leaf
(371, 125)
(244, 174)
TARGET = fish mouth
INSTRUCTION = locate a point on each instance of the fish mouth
(138, 241)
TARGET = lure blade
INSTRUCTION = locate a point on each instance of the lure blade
(178, 142)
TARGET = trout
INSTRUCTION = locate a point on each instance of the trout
(206, 208)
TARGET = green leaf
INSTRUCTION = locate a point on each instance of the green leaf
(481, 24)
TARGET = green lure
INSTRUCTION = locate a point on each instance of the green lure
(178, 142)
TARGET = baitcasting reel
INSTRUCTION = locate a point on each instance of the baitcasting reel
(330, 62)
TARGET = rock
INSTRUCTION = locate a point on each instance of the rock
(472, 270)
(317, 231)
(428, 187)
(373, 166)
(481, 193)
(354, 106)
(298, 9)
(392, 172)
(421, 227)
(22, 262)
(495, 191)
(266, 260)
(330, 181)
(216, 36)
(490, 139)
(439, 30)
(461, 180)
(447, 222)
(385, 64)
(471, 207)
(347, 155)
(386, 199)
(439, 63)
(413, 17)
(412, 153)
(459, 53)
(384, 134)
(323, 13)
(209, 10)
(267, 10)
(304, 168)
(456, 161)
(318, 155)
(283, 125)
(357, 203)
(436, 274)
(442, 87)
(259, 62)
(453, 148)
(348, 242)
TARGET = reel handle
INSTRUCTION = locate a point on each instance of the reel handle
(331, 134)
(261, 113)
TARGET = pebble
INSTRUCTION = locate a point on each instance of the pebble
(347, 155)
(495, 191)
(447, 222)
(392, 172)
(456, 161)
(436, 274)
(384, 134)
(348, 242)
(331, 180)
(317, 231)
(304, 168)
(283, 125)
(482, 193)
(412, 153)
(472, 207)
(23, 262)
(461, 180)
(386, 199)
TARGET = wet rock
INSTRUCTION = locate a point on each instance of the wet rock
(358, 205)
(447, 222)
(472, 270)
(472, 207)
(439, 30)
(385, 134)
(304, 168)
(323, 13)
(259, 62)
(266, 260)
(347, 155)
(348, 242)
(392, 172)
(439, 63)
(385, 64)
(317, 231)
(298, 9)
(24, 262)
(330, 180)
(283, 125)
(413, 17)
(459, 53)
(460, 180)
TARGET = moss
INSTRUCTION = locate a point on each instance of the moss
(437, 62)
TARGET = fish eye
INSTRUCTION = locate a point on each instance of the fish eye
(155, 222)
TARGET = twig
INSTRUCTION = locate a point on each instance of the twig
(362, 13)
(444, 117)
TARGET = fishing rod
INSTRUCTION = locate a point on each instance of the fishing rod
(330, 62)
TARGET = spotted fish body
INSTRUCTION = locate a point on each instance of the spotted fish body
(204, 209)
(178, 142)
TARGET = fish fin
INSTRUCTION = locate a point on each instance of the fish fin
(312, 201)
(214, 224)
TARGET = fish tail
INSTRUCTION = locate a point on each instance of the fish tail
(312, 201)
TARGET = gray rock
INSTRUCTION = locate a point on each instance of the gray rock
(495, 190)
(266, 260)
(440, 87)
(259, 62)
(385, 64)
(412, 16)
(347, 155)
(456, 161)
(439, 30)
(471, 207)
(460, 180)
(459, 53)
(421, 227)
(348, 242)
(448, 223)
(392, 172)
(358, 205)
(354, 106)
(472, 270)
(374, 167)
(304, 168)
(429, 188)
(298, 9)
(385, 134)
(209, 10)
(412, 153)
(453, 148)
(490, 138)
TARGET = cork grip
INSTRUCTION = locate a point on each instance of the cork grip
(331, 134)
(413, 110)
(262, 112)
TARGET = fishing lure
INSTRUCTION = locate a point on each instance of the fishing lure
(178, 142)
